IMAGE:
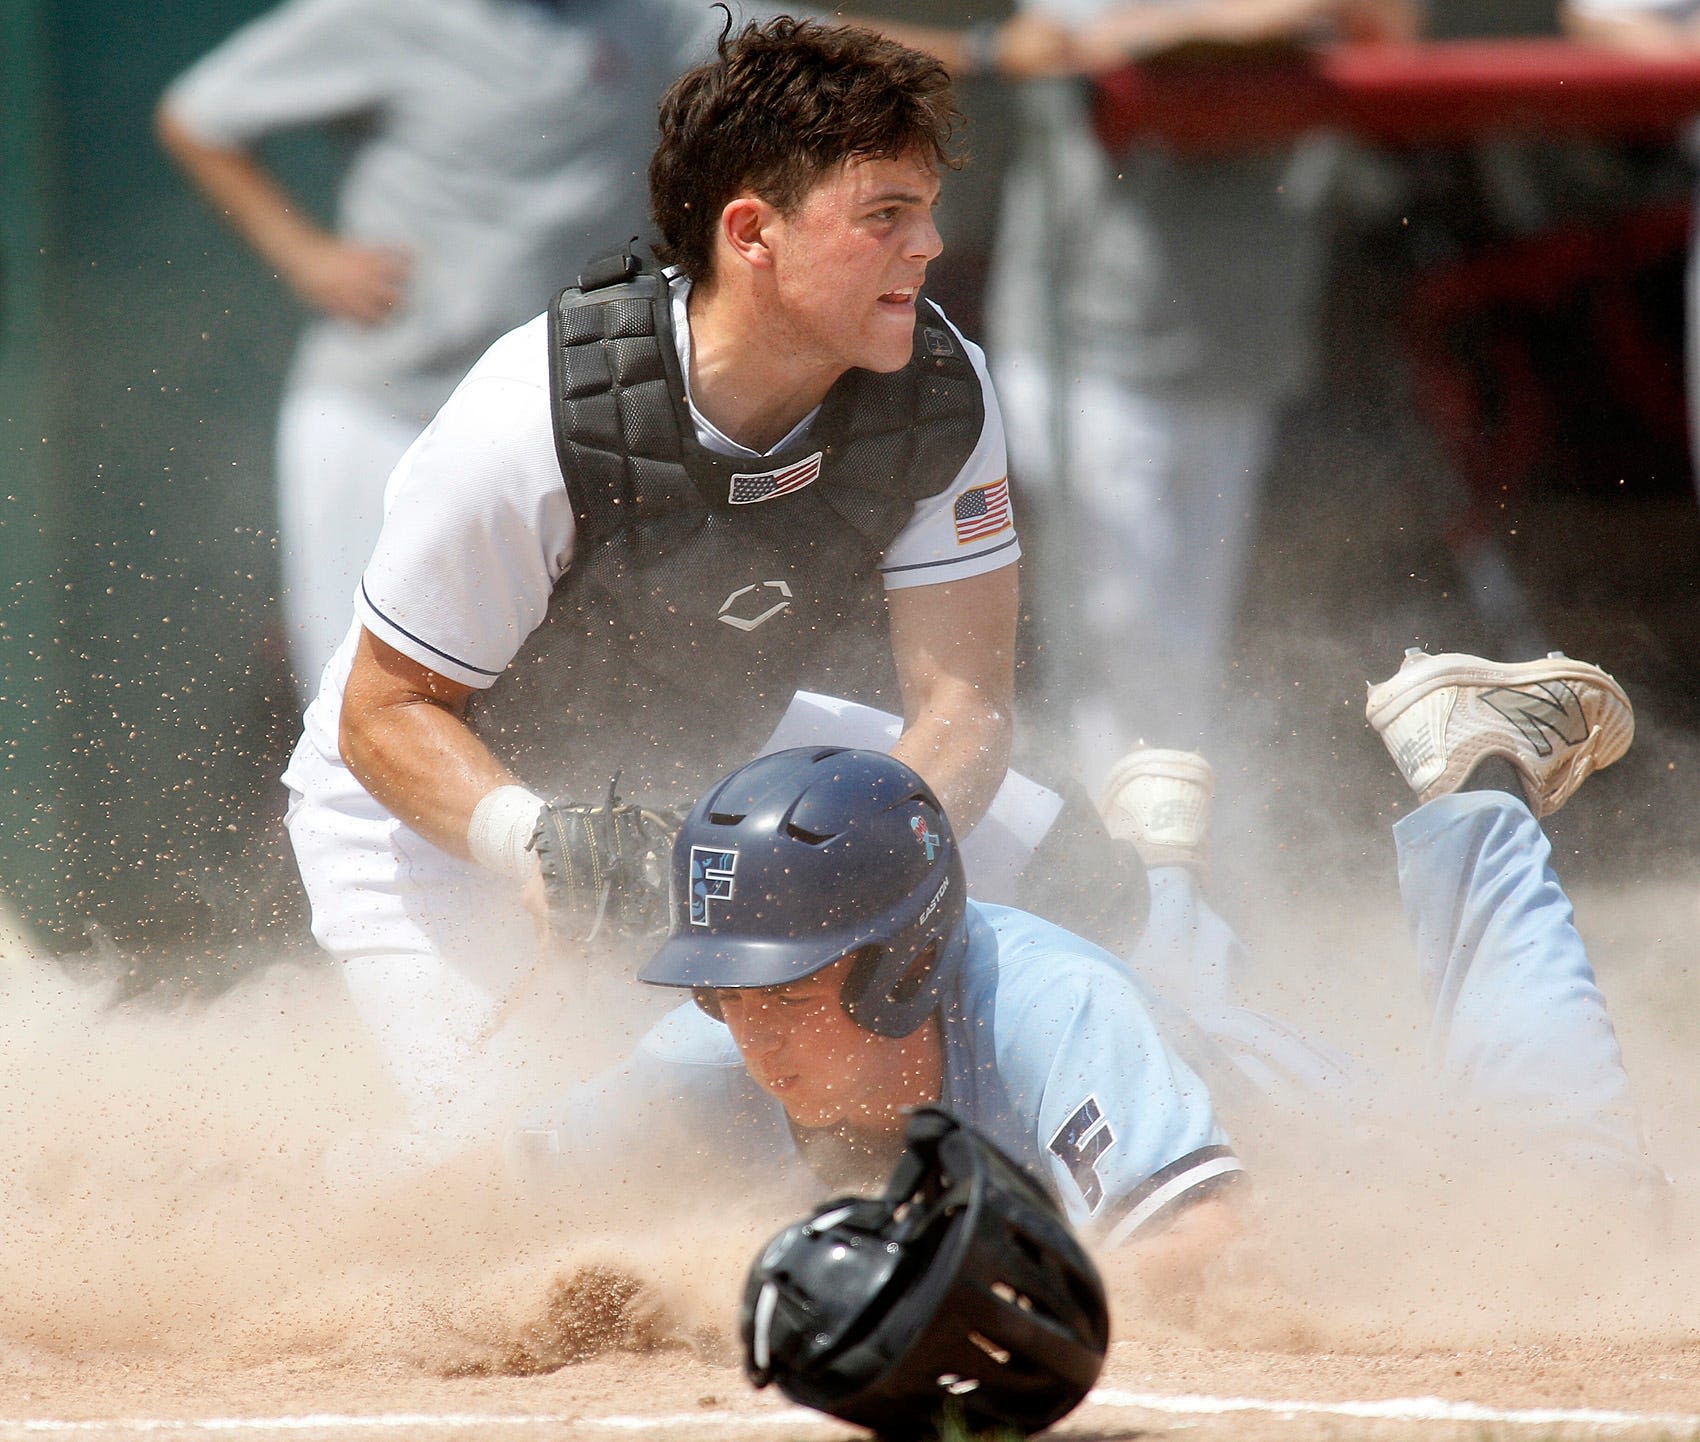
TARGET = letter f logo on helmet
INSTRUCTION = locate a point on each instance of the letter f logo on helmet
(712, 870)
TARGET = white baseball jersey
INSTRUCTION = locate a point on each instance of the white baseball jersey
(477, 530)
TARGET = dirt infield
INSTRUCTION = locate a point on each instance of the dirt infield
(173, 1264)
(1148, 1389)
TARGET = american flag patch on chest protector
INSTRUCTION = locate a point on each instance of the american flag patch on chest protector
(982, 511)
(765, 485)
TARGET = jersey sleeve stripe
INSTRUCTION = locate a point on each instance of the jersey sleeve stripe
(1162, 1192)
(949, 560)
(372, 606)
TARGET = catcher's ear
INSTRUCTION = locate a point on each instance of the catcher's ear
(705, 998)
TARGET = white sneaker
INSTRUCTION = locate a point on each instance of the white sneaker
(1557, 721)
(1160, 801)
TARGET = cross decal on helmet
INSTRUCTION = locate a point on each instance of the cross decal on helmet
(929, 839)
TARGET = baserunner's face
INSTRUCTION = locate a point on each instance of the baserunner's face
(804, 1050)
(850, 260)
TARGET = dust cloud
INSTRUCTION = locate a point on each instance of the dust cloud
(167, 1199)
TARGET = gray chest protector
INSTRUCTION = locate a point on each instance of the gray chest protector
(704, 590)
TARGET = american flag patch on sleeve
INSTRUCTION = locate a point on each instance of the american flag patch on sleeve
(982, 511)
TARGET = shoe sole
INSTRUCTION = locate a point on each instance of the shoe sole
(1402, 690)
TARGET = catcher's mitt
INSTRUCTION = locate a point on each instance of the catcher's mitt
(605, 866)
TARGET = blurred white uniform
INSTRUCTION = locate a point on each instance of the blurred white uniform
(1149, 316)
(503, 143)
(1677, 12)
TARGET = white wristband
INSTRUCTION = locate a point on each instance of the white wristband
(501, 829)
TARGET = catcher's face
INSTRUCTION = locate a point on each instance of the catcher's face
(802, 1048)
(849, 261)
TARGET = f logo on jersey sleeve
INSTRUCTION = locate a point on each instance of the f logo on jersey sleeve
(712, 870)
(1078, 1143)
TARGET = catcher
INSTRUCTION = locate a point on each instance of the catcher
(641, 522)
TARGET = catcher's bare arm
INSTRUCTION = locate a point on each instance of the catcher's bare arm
(404, 736)
(955, 651)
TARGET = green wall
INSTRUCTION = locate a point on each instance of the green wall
(32, 716)
(146, 706)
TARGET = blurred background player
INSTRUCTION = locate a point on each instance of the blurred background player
(1656, 29)
(495, 144)
(638, 526)
(1149, 316)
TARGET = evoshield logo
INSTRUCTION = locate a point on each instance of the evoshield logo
(749, 623)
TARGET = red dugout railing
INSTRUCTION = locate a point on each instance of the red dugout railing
(1434, 92)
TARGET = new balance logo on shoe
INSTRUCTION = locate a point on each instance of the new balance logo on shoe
(1541, 712)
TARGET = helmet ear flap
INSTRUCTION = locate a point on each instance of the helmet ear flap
(858, 981)
(862, 996)
(917, 978)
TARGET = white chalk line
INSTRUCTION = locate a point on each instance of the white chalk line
(1394, 1409)
(399, 1421)
(1397, 1409)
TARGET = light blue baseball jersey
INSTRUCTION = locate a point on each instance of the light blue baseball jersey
(1050, 1048)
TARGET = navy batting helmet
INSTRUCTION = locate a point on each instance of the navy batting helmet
(962, 1287)
(803, 857)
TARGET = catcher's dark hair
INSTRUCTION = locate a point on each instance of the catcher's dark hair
(782, 103)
